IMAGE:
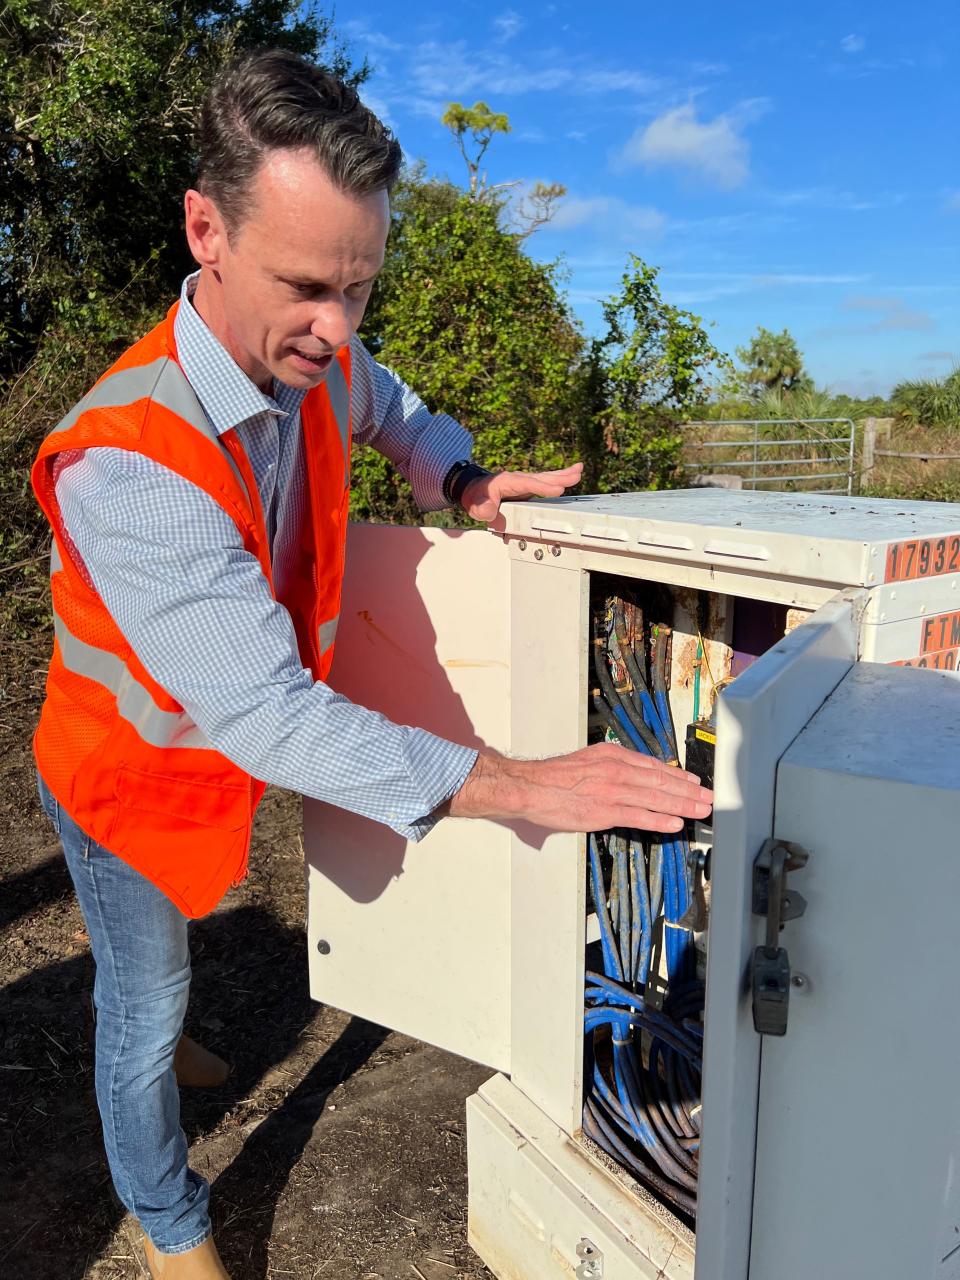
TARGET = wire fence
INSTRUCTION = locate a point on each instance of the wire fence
(812, 455)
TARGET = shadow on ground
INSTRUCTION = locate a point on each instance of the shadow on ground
(54, 1170)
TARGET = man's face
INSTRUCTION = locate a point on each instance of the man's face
(296, 275)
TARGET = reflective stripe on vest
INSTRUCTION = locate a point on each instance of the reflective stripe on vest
(163, 381)
(155, 726)
(339, 394)
(135, 704)
(326, 634)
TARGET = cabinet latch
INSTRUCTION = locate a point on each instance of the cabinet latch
(770, 967)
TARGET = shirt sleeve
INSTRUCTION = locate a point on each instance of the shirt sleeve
(422, 445)
(196, 608)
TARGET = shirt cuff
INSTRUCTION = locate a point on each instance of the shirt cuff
(441, 769)
(442, 443)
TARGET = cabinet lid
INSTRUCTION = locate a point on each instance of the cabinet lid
(826, 538)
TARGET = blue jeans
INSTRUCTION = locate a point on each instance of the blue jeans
(139, 943)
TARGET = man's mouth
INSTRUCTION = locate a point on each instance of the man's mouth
(311, 362)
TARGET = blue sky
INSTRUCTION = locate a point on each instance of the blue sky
(784, 165)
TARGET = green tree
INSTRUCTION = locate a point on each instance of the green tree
(480, 331)
(537, 205)
(771, 362)
(415, 201)
(641, 379)
(98, 104)
(481, 124)
(929, 402)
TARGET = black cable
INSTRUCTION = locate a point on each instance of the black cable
(615, 699)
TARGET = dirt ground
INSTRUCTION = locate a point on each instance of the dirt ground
(336, 1149)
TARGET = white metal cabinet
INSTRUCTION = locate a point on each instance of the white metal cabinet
(474, 938)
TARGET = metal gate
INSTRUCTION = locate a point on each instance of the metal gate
(813, 455)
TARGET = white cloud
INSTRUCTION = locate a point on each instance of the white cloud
(952, 202)
(714, 149)
(444, 71)
(507, 25)
(598, 81)
(440, 71)
(608, 212)
(894, 315)
(699, 287)
(853, 44)
(799, 278)
(837, 198)
(356, 29)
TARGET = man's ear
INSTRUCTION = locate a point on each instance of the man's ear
(206, 233)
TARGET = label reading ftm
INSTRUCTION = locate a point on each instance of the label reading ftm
(939, 644)
(942, 631)
(923, 558)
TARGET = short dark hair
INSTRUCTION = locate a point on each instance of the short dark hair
(273, 100)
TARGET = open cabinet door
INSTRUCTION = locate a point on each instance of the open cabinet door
(758, 718)
(416, 937)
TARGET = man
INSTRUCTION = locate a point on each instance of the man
(198, 499)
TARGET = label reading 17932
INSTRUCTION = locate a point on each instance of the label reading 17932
(923, 558)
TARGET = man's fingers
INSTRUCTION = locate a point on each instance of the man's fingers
(527, 485)
(649, 813)
(680, 806)
(647, 820)
(547, 483)
(669, 777)
(637, 760)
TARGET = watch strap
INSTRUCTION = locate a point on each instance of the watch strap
(458, 477)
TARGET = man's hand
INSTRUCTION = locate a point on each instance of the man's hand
(482, 497)
(589, 790)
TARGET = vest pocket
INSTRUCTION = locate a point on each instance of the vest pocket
(224, 805)
(189, 838)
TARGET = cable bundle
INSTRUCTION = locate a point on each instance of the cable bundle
(643, 1067)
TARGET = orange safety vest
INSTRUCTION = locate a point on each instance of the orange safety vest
(120, 754)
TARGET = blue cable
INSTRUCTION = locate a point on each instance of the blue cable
(623, 720)
(655, 721)
(611, 961)
(632, 1099)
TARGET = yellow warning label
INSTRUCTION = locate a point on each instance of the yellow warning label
(705, 736)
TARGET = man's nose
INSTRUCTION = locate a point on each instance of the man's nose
(331, 324)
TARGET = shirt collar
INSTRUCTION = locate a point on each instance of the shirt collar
(227, 395)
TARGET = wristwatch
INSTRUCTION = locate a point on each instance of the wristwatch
(458, 477)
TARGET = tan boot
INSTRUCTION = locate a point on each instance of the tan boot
(196, 1067)
(202, 1263)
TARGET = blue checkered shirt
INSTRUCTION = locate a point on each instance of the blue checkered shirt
(170, 566)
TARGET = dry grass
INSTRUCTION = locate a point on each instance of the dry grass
(932, 477)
